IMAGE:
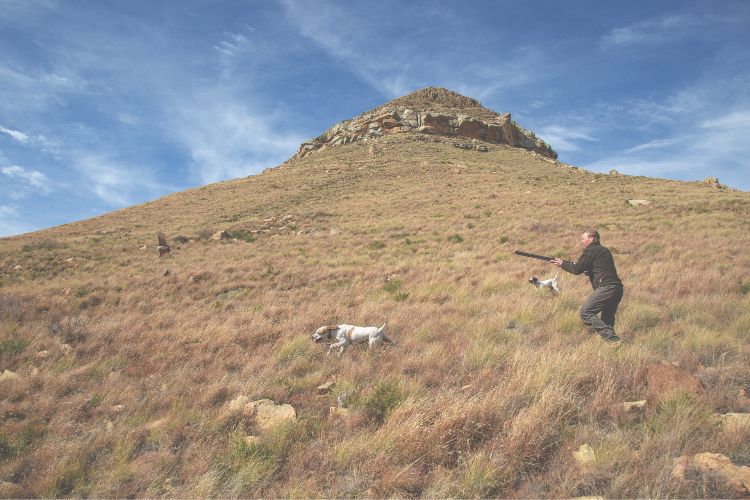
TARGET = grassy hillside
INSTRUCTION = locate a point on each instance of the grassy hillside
(124, 376)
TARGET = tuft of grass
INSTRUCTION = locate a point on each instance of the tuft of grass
(242, 235)
(744, 288)
(401, 296)
(504, 239)
(392, 285)
(456, 238)
(11, 347)
(382, 400)
(376, 245)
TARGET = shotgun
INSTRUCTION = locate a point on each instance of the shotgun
(533, 255)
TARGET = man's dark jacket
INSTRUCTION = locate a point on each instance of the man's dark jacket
(598, 261)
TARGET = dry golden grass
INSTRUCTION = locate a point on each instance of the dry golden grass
(124, 373)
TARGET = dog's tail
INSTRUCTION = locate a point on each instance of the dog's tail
(383, 327)
(383, 335)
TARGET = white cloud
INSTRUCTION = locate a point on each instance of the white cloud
(227, 139)
(398, 64)
(734, 120)
(113, 182)
(10, 223)
(31, 177)
(563, 138)
(15, 134)
(652, 31)
(655, 144)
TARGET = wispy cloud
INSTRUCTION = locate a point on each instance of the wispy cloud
(564, 138)
(395, 65)
(11, 222)
(653, 31)
(113, 182)
(655, 144)
(227, 139)
(30, 177)
(735, 120)
(15, 134)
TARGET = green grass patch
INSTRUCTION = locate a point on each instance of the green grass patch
(11, 347)
(456, 238)
(382, 400)
(392, 285)
(376, 245)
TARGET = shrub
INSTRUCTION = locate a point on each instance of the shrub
(69, 329)
(745, 288)
(242, 235)
(392, 285)
(386, 396)
(180, 239)
(12, 347)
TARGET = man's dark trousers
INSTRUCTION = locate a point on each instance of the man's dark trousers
(604, 299)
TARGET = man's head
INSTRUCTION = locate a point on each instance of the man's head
(589, 236)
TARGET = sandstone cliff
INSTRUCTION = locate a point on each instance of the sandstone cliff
(434, 111)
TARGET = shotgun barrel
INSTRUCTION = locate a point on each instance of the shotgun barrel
(533, 255)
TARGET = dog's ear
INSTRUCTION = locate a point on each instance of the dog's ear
(332, 327)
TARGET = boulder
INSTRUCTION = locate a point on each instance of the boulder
(718, 465)
(268, 414)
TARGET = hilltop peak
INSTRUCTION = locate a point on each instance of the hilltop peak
(435, 97)
(434, 111)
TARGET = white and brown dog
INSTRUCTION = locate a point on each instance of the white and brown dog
(551, 284)
(350, 334)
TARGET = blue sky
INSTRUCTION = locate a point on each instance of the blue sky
(105, 104)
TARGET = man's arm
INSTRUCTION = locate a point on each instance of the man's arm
(577, 267)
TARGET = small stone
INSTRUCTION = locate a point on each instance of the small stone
(466, 387)
(338, 412)
(18, 267)
(634, 406)
(735, 422)
(252, 440)
(8, 375)
(41, 355)
(585, 455)
(326, 388)
(144, 247)
(636, 203)
(220, 235)
(118, 409)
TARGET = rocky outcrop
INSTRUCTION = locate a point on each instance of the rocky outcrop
(738, 477)
(450, 115)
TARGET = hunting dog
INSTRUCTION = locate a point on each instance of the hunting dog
(551, 284)
(350, 334)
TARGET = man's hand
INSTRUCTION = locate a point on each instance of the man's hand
(556, 262)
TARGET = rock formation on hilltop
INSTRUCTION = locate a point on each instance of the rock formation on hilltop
(431, 110)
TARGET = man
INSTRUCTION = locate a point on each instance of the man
(597, 263)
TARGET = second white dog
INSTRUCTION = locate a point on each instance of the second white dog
(350, 334)
(550, 284)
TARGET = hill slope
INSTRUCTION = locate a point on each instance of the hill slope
(122, 379)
